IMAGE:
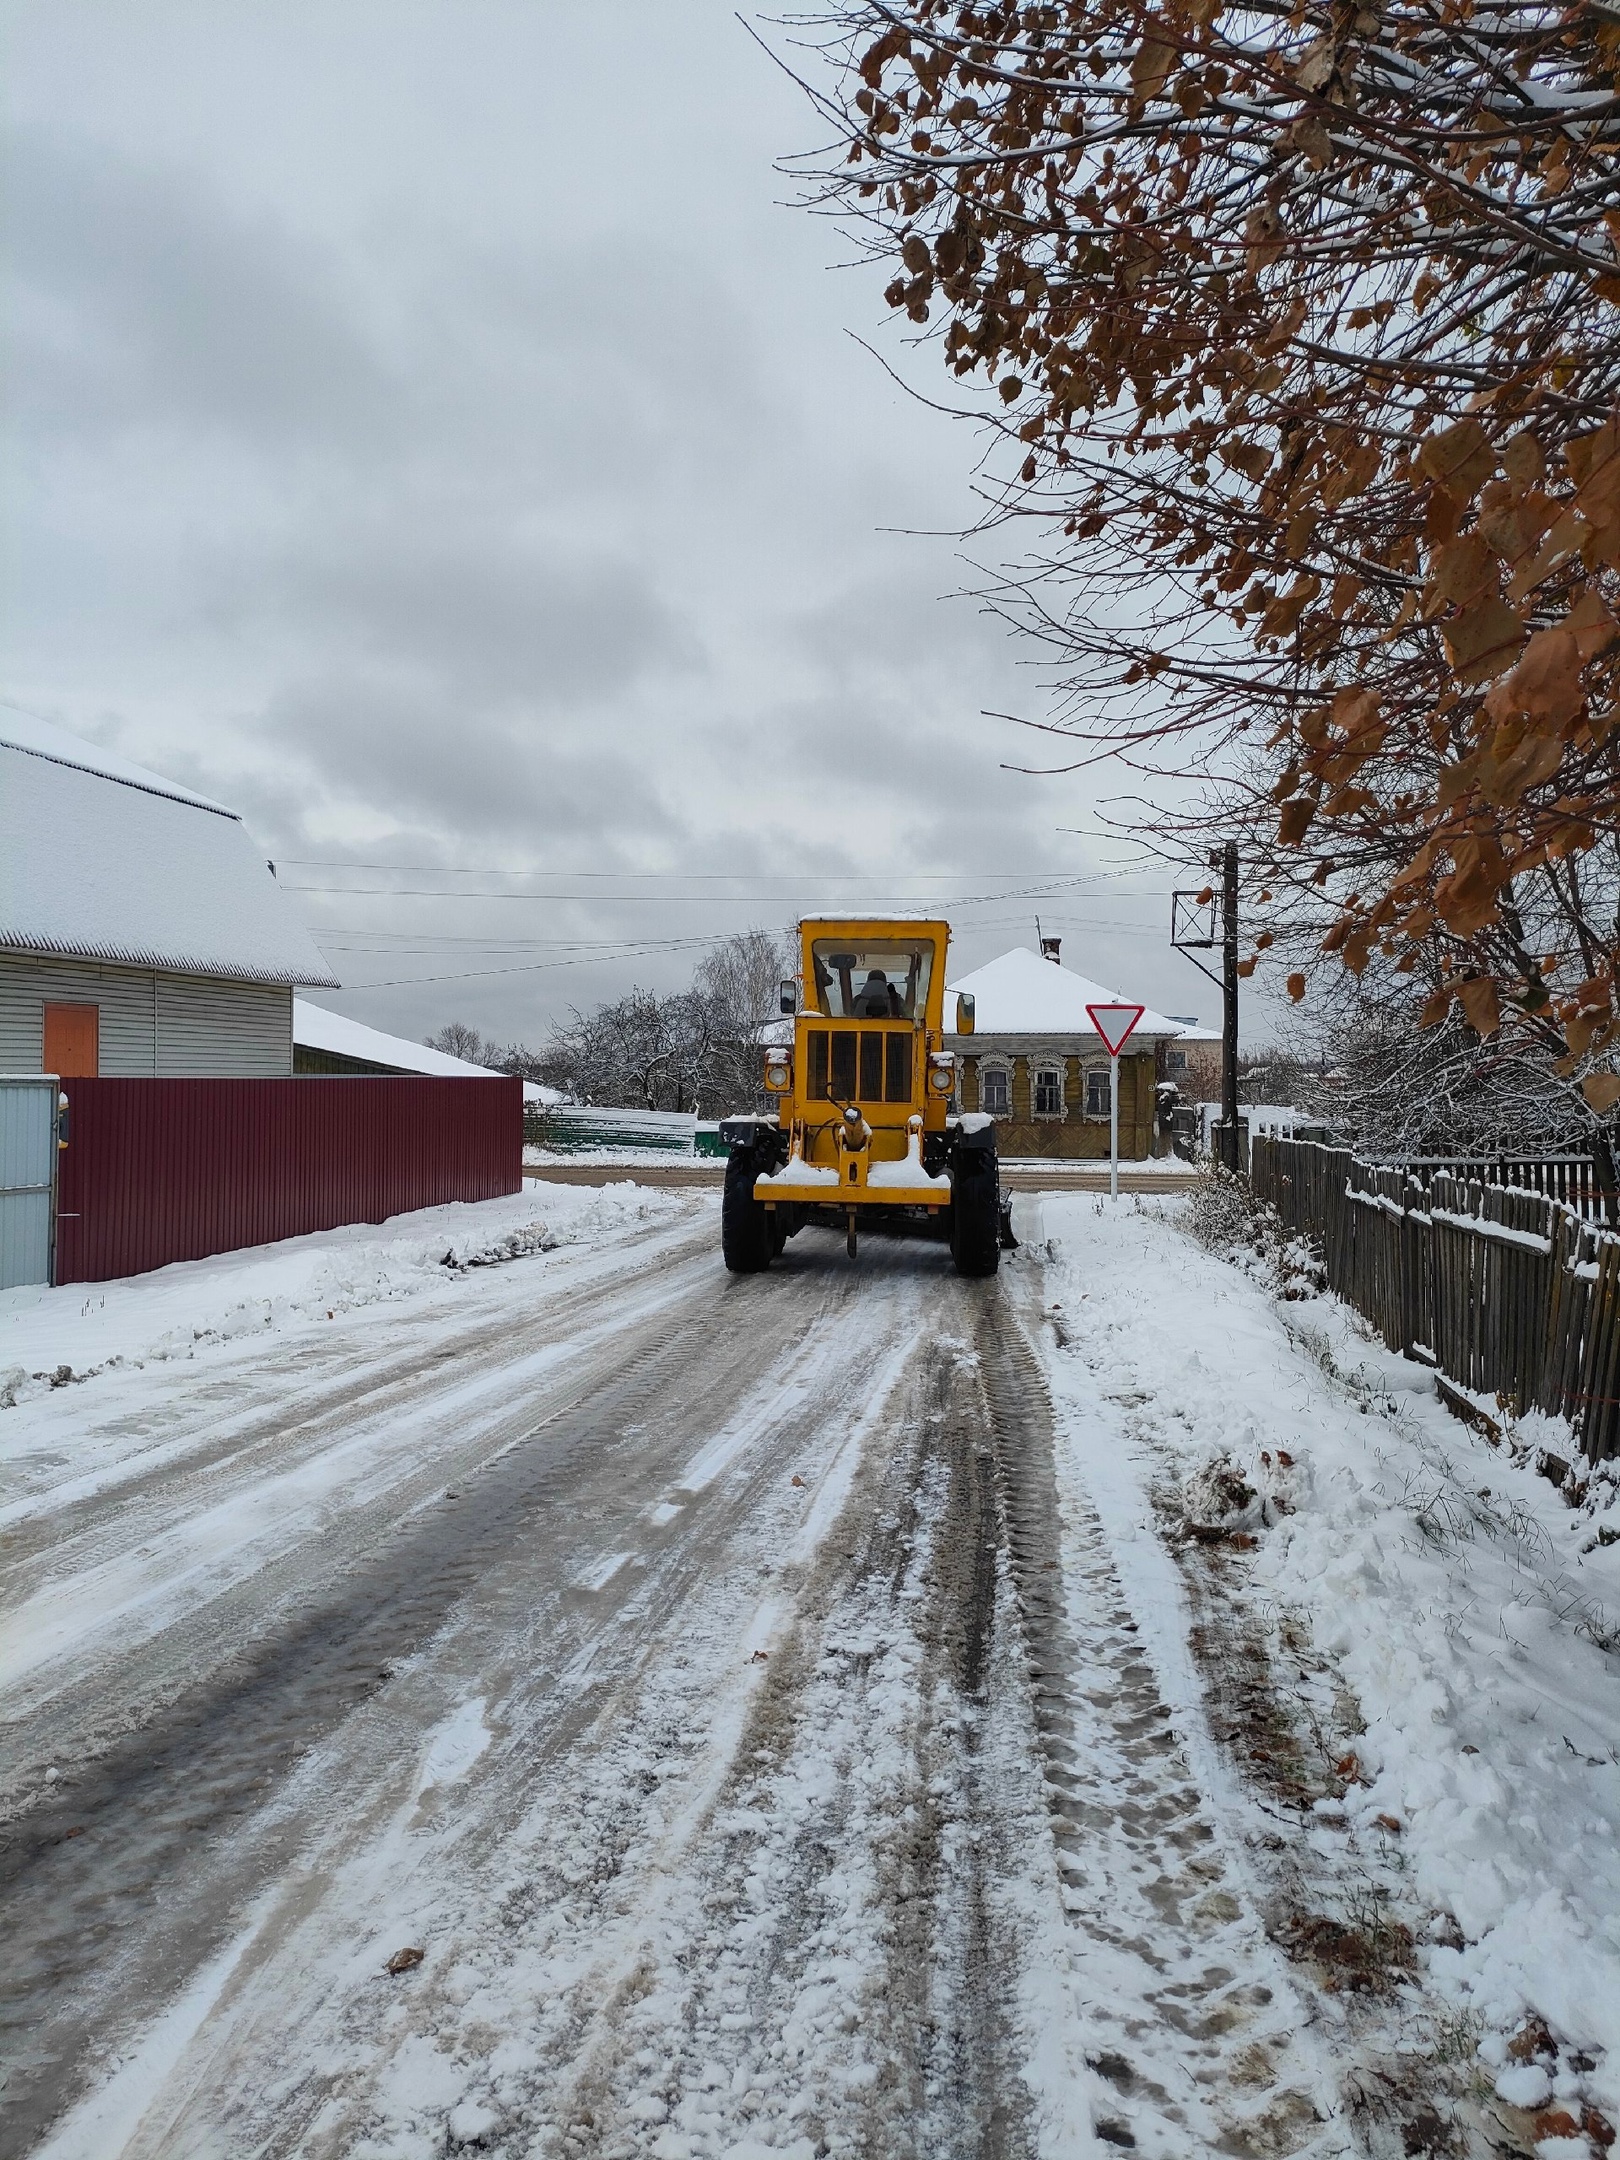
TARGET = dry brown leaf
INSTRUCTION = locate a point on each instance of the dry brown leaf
(1481, 642)
(1459, 459)
(1479, 1001)
(1295, 820)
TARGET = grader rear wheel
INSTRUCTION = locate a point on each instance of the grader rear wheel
(976, 1214)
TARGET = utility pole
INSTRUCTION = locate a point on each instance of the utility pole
(1228, 860)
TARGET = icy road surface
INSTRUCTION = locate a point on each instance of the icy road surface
(587, 1705)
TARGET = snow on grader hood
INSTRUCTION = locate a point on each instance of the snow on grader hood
(864, 1128)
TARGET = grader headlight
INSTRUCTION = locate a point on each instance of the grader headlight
(942, 1072)
(779, 1071)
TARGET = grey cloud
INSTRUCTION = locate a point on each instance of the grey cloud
(414, 755)
(492, 616)
(140, 302)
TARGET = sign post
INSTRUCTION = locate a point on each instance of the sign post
(1114, 1024)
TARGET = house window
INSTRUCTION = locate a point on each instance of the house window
(995, 1090)
(1175, 1061)
(1049, 1091)
(1097, 1091)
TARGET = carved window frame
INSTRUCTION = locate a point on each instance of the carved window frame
(1053, 1069)
(1004, 1067)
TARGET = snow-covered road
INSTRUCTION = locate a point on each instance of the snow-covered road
(763, 1716)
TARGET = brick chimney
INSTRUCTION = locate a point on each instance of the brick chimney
(1049, 950)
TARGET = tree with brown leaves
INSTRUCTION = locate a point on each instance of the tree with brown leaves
(1300, 327)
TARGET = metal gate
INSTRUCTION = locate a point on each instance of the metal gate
(27, 1178)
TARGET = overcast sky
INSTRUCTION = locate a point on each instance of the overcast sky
(430, 429)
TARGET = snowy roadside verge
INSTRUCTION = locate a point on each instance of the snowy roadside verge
(50, 1338)
(1450, 1619)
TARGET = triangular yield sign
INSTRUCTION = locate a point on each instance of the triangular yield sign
(1114, 1023)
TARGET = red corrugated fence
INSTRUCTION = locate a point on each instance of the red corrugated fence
(161, 1170)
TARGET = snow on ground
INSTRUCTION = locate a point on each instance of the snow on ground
(181, 1310)
(1456, 1616)
(796, 1771)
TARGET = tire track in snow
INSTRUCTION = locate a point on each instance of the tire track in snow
(1194, 2015)
(832, 1979)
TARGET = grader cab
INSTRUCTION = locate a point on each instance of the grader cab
(864, 1130)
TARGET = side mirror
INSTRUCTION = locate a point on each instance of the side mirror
(789, 997)
(964, 1012)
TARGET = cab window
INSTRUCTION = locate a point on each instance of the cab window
(871, 982)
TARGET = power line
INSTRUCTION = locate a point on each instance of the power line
(822, 877)
(536, 967)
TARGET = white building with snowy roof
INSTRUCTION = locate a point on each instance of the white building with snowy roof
(1037, 1064)
(326, 1042)
(142, 932)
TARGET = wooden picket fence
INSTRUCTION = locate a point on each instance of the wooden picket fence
(1510, 1292)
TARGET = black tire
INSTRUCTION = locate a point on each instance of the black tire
(745, 1229)
(976, 1213)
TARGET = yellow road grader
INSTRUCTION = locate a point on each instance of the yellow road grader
(864, 1130)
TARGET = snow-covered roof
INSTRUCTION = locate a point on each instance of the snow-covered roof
(888, 915)
(314, 1028)
(1199, 1034)
(1022, 994)
(26, 731)
(102, 860)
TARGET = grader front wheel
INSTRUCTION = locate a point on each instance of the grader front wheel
(746, 1241)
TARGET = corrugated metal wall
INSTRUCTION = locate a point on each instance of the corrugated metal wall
(228, 1029)
(161, 1170)
(150, 1023)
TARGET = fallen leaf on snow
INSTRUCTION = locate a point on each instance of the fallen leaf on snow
(1557, 2122)
(1532, 2039)
(403, 1961)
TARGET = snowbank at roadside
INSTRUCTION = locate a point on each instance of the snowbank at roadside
(1473, 1612)
(49, 1337)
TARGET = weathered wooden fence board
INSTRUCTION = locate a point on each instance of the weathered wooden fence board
(1508, 1286)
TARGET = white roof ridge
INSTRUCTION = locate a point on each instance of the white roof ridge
(123, 772)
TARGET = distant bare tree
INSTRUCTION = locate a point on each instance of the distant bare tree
(457, 1040)
(696, 1050)
(742, 980)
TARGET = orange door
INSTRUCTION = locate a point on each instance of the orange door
(72, 1041)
